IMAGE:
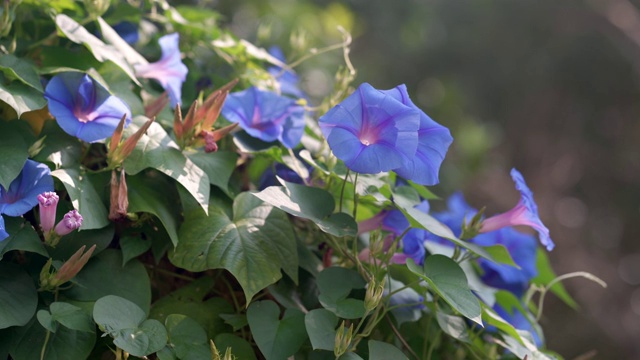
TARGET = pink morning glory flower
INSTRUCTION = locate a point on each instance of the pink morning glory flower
(48, 203)
(524, 213)
(71, 221)
(169, 71)
(83, 107)
(266, 115)
(22, 195)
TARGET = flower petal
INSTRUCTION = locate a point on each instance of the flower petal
(22, 195)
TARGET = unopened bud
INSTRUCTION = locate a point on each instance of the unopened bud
(71, 221)
(374, 295)
(209, 142)
(68, 270)
(343, 339)
(48, 202)
(155, 107)
(472, 228)
(119, 201)
(96, 8)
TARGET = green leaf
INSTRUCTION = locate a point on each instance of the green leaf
(21, 97)
(249, 144)
(101, 51)
(350, 356)
(382, 351)
(125, 322)
(454, 326)
(71, 317)
(501, 255)
(335, 284)
(187, 338)
(447, 279)
(310, 203)
(236, 321)
(240, 348)
(14, 151)
(75, 240)
(492, 318)
(132, 247)
(546, 275)
(190, 301)
(218, 166)
(156, 150)
(84, 197)
(59, 148)
(112, 37)
(252, 240)
(104, 275)
(18, 69)
(321, 327)
(18, 296)
(153, 193)
(276, 338)
(45, 319)
(63, 344)
(22, 236)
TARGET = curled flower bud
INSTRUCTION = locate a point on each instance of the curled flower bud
(71, 221)
(48, 203)
(209, 142)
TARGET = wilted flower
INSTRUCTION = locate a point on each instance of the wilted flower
(433, 142)
(524, 213)
(83, 107)
(287, 79)
(48, 203)
(371, 131)
(266, 115)
(522, 248)
(22, 195)
(71, 221)
(169, 71)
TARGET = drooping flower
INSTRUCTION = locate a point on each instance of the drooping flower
(3, 233)
(71, 221)
(371, 131)
(48, 204)
(287, 79)
(83, 107)
(266, 115)
(22, 195)
(524, 213)
(169, 71)
(433, 142)
(522, 248)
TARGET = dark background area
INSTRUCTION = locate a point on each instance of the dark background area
(550, 87)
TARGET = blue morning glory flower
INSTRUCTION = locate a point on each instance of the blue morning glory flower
(22, 195)
(371, 131)
(3, 233)
(83, 107)
(268, 177)
(266, 115)
(522, 248)
(524, 213)
(406, 304)
(287, 79)
(433, 143)
(128, 31)
(412, 247)
(169, 71)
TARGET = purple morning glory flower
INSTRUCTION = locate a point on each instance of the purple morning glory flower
(83, 107)
(71, 221)
(458, 211)
(48, 204)
(412, 247)
(266, 115)
(524, 213)
(371, 131)
(522, 248)
(287, 79)
(22, 195)
(433, 143)
(169, 71)
(128, 31)
(3, 233)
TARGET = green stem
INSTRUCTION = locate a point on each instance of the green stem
(355, 197)
(44, 346)
(344, 184)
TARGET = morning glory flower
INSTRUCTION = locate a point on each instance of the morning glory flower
(524, 213)
(406, 304)
(48, 204)
(522, 248)
(83, 107)
(169, 71)
(128, 31)
(266, 115)
(22, 195)
(412, 247)
(3, 233)
(433, 143)
(71, 221)
(371, 131)
(287, 79)
(458, 211)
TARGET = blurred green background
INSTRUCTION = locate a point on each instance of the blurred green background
(548, 86)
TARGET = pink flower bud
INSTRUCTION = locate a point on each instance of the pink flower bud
(71, 221)
(48, 203)
(209, 142)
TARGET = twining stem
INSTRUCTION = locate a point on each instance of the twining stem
(355, 197)
(344, 184)
(545, 289)
(402, 340)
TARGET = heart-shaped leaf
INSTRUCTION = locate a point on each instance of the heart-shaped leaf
(335, 284)
(276, 338)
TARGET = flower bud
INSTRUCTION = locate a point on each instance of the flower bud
(96, 8)
(119, 201)
(68, 270)
(343, 339)
(374, 295)
(209, 142)
(48, 203)
(71, 221)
